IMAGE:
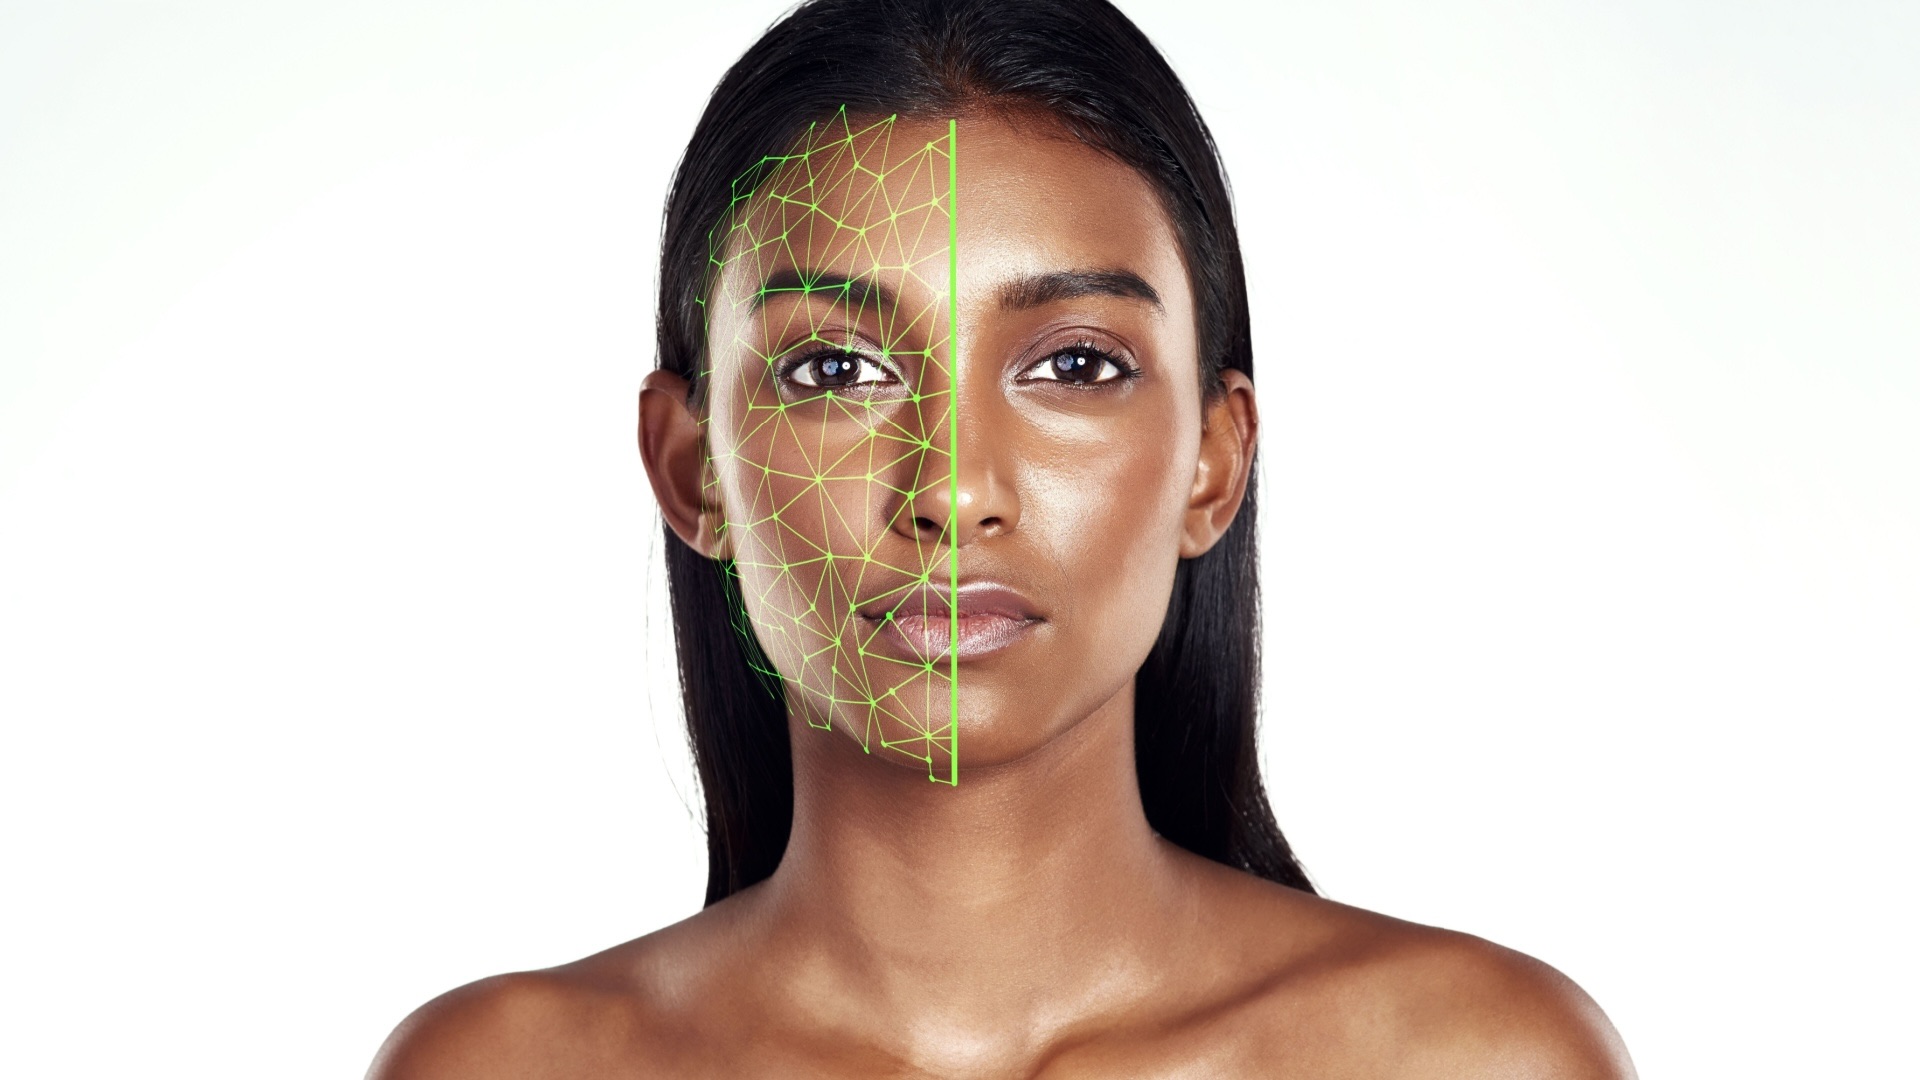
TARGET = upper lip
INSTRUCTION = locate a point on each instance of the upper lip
(937, 599)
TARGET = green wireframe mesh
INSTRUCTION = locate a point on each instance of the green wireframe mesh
(829, 427)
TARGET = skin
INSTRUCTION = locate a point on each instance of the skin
(1027, 923)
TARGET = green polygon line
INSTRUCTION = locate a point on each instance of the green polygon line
(953, 441)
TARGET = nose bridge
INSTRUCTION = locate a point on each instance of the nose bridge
(960, 489)
(960, 483)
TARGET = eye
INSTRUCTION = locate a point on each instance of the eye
(1082, 364)
(831, 370)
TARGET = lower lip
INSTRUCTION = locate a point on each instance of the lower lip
(927, 637)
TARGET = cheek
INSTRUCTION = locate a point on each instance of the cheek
(797, 529)
(1108, 503)
(807, 495)
(797, 484)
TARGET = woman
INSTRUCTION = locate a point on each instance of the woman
(953, 429)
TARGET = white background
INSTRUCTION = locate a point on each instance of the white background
(332, 661)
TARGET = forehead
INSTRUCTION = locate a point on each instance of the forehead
(1013, 194)
(852, 195)
(1034, 198)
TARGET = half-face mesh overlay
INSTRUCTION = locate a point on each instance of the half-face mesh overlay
(829, 427)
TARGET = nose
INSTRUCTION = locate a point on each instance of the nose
(961, 482)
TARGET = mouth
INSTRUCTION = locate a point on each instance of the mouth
(935, 622)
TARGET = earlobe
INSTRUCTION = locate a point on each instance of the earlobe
(1225, 466)
(674, 450)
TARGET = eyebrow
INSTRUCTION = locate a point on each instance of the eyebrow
(1037, 289)
(857, 291)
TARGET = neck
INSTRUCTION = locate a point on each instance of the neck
(1031, 895)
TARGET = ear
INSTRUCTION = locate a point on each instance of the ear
(1230, 425)
(674, 448)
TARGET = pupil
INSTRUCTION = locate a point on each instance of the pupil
(836, 370)
(1074, 368)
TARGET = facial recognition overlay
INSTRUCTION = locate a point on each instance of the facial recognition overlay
(830, 430)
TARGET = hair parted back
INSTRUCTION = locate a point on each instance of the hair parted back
(1088, 67)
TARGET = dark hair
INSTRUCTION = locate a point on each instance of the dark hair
(1092, 70)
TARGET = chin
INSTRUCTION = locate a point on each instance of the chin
(1012, 704)
(1002, 725)
(993, 732)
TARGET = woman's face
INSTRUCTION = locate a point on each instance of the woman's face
(954, 433)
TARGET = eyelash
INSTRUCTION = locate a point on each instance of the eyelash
(1126, 369)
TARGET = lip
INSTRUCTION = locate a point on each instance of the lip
(921, 622)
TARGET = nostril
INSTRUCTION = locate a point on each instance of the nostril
(925, 525)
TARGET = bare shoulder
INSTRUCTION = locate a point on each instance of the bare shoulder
(606, 1015)
(1388, 998)
(1461, 1006)
(493, 1027)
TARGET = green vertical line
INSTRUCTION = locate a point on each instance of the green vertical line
(953, 444)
